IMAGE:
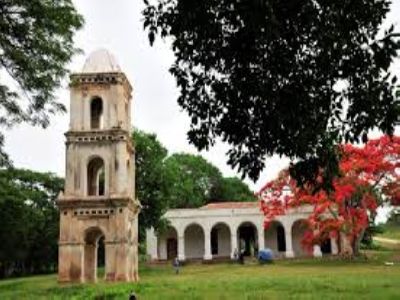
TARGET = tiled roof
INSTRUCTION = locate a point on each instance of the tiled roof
(232, 205)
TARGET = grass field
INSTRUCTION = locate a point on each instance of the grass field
(391, 232)
(296, 279)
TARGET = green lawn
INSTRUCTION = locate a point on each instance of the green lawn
(391, 232)
(298, 279)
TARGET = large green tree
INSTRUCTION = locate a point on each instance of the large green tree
(234, 189)
(36, 43)
(151, 183)
(178, 181)
(193, 181)
(290, 77)
(28, 221)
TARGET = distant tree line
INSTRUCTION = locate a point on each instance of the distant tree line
(28, 222)
(29, 218)
(36, 44)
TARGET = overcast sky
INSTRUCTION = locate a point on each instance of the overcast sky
(116, 25)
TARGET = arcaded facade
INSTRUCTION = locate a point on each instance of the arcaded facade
(218, 230)
(98, 204)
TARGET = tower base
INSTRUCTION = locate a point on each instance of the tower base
(80, 232)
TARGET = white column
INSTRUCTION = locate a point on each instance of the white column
(152, 244)
(334, 246)
(207, 244)
(181, 246)
(234, 245)
(288, 239)
(317, 251)
(261, 241)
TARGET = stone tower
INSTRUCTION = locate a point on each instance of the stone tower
(99, 202)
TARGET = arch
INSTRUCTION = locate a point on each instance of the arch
(194, 241)
(299, 228)
(92, 237)
(247, 238)
(220, 240)
(93, 234)
(274, 237)
(96, 113)
(167, 246)
(96, 177)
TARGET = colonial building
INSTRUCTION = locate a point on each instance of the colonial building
(98, 203)
(218, 230)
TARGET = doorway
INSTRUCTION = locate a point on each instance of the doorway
(93, 257)
(248, 243)
(172, 248)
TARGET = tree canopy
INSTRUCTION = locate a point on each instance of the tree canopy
(293, 78)
(151, 183)
(28, 221)
(234, 189)
(369, 178)
(180, 180)
(36, 42)
(192, 180)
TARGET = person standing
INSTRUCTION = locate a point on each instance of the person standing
(176, 265)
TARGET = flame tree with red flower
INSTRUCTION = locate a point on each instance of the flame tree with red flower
(369, 178)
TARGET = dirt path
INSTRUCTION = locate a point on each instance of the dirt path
(386, 240)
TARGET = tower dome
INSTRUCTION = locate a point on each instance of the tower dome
(101, 61)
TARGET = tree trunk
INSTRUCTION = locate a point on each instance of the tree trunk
(346, 248)
(357, 243)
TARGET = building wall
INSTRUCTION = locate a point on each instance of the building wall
(298, 230)
(271, 238)
(162, 242)
(224, 241)
(113, 215)
(116, 106)
(117, 166)
(196, 243)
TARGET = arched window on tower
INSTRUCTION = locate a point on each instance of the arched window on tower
(96, 113)
(96, 177)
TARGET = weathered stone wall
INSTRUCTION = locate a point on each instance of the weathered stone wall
(113, 214)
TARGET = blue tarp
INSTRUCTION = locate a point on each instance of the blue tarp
(265, 255)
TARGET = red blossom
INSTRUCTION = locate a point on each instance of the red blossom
(366, 172)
